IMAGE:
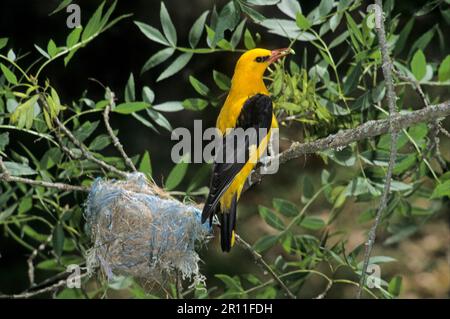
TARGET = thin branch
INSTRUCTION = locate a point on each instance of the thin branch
(262, 262)
(435, 126)
(115, 140)
(30, 294)
(7, 177)
(367, 130)
(391, 98)
(86, 153)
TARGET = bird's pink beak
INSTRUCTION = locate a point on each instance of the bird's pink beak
(279, 53)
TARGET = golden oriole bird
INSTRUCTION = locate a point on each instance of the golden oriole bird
(248, 105)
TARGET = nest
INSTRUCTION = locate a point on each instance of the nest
(137, 233)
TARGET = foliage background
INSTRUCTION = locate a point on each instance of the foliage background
(422, 258)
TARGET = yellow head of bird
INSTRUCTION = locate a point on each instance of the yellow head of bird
(256, 61)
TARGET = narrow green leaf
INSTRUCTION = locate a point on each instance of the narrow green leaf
(73, 37)
(160, 119)
(17, 169)
(198, 86)
(395, 286)
(58, 240)
(3, 42)
(270, 218)
(94, 24)
(197, 29)
(419, 65)
(146, 166)
(248, 40)
(177, 173)
(403, 36)
(290, 8)
(221, 80)
(265, 243)
(168, 28)
(52, 49)
(171, 106)
(285, 207)
(130, 107)
(195, 104)
(151, 33)
(313, 223)
(130, 91)
(148, 95)
(10, 77)
(441, 190)
(61, 6)
(4, 140)
(444, 70)
(302, 22)
(157, 58)
(237, 34)
(179, 63)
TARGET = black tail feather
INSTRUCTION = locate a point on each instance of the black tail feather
(227, 226)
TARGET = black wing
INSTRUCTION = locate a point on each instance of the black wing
(256, 113)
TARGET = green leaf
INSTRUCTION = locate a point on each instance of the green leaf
(395, 286)
(130, 107)
(290, 7)
(419, 65)
(253, 14)
(73, 37)
(157, 58)
(177, 173)
(171, 106)
(441, 190)
(302, 22)
(151, 33)
(228, 18)
(159, 119)
(198, 86)
(179, 63)
(353, 28)
(422, 42)
(444, 70)
(42, 51)
(61, 6)
(148, 95)
(237, 34)
(403, 36)
(221, 80)
(3, 42)
(248, 40)
(168, 28)
(58, 240)
(265, 243)
(313, 223)
(10, 77)
(308, 189)
(94, 24)
(325, 7)
(130, 92)
(85, 130)
(231, 283)
(195, 104)
(146, 166)
(270, 218)
(24, 113)
(285, 207)
(52, 49)
(100, 142)
(4, 140)
(352, 80)
(197, 29)
(7, 212)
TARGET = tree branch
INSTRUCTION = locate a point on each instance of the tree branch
(263, 264)
(115, 140)
(391, 99)
(86, 153)
(7, 177)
